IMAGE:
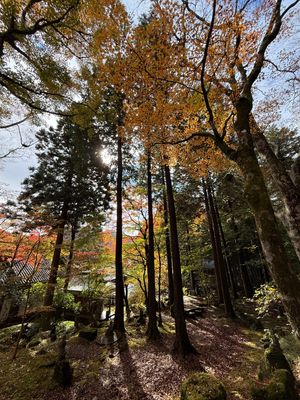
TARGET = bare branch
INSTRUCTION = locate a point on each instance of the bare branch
(287, 71)
(43, 23)
(224, 130)
(15, 123)
(289, 8)
(22, 145)
(270, 36)
(230, 152)
(202, 80)
(195, 14)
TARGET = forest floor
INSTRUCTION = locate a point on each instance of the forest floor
(137, 369)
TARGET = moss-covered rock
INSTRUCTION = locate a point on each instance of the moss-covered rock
(202, 386)
(274, 358)
(281, 387)
(89, 334)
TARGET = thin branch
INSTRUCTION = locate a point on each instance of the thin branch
(288, 8)
(196, 15)
(15, 123)
(230, 152)
(224, 130)
(187, 139)
(270, 36)
(287, 71)
(43, 23)
(13, 81)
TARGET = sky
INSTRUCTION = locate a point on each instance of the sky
(14, 169)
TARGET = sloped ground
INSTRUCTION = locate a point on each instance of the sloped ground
(139, 370)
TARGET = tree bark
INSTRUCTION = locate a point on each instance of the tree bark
(182, 344)
(71, 256)
(222, 269)
(119, 311)
(257, 196)
(48, 299)
(189, 257)
(126, 301)
(214, 246)
(289, 192)
(246, 286)
(168, 246)
(152, 330)
(226, 255)
(159, 286)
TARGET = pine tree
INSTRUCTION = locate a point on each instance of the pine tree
(69, 185)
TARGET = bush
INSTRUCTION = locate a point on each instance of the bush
(202, 386)
(66, 301)
(268, 300)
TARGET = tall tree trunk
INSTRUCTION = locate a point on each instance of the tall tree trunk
(146, 247)
(257, 196)
(48, 299)
(126, 301)
(159, 286)
(226, 255)
(189, 257)
(214, 245)
(152, 330)
(226, 294)
(71, 256)
(119, 312)
(168, 246)
(182, 344)
(289, 192)
(247, 289)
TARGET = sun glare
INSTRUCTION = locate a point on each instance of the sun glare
(106, 156)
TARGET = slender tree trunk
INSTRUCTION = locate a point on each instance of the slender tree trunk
(214, 246)
(71, 256)
(182, 343)
(159, 286)
(189, 257)
(119, 312)
(247, 288)
(152, 330)
(168, 246)
(145, 287)
(226, 256)
(257, 196)
(226, 294)
(126, 300)
(48, 300)
(146, 267)
(290, 194)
